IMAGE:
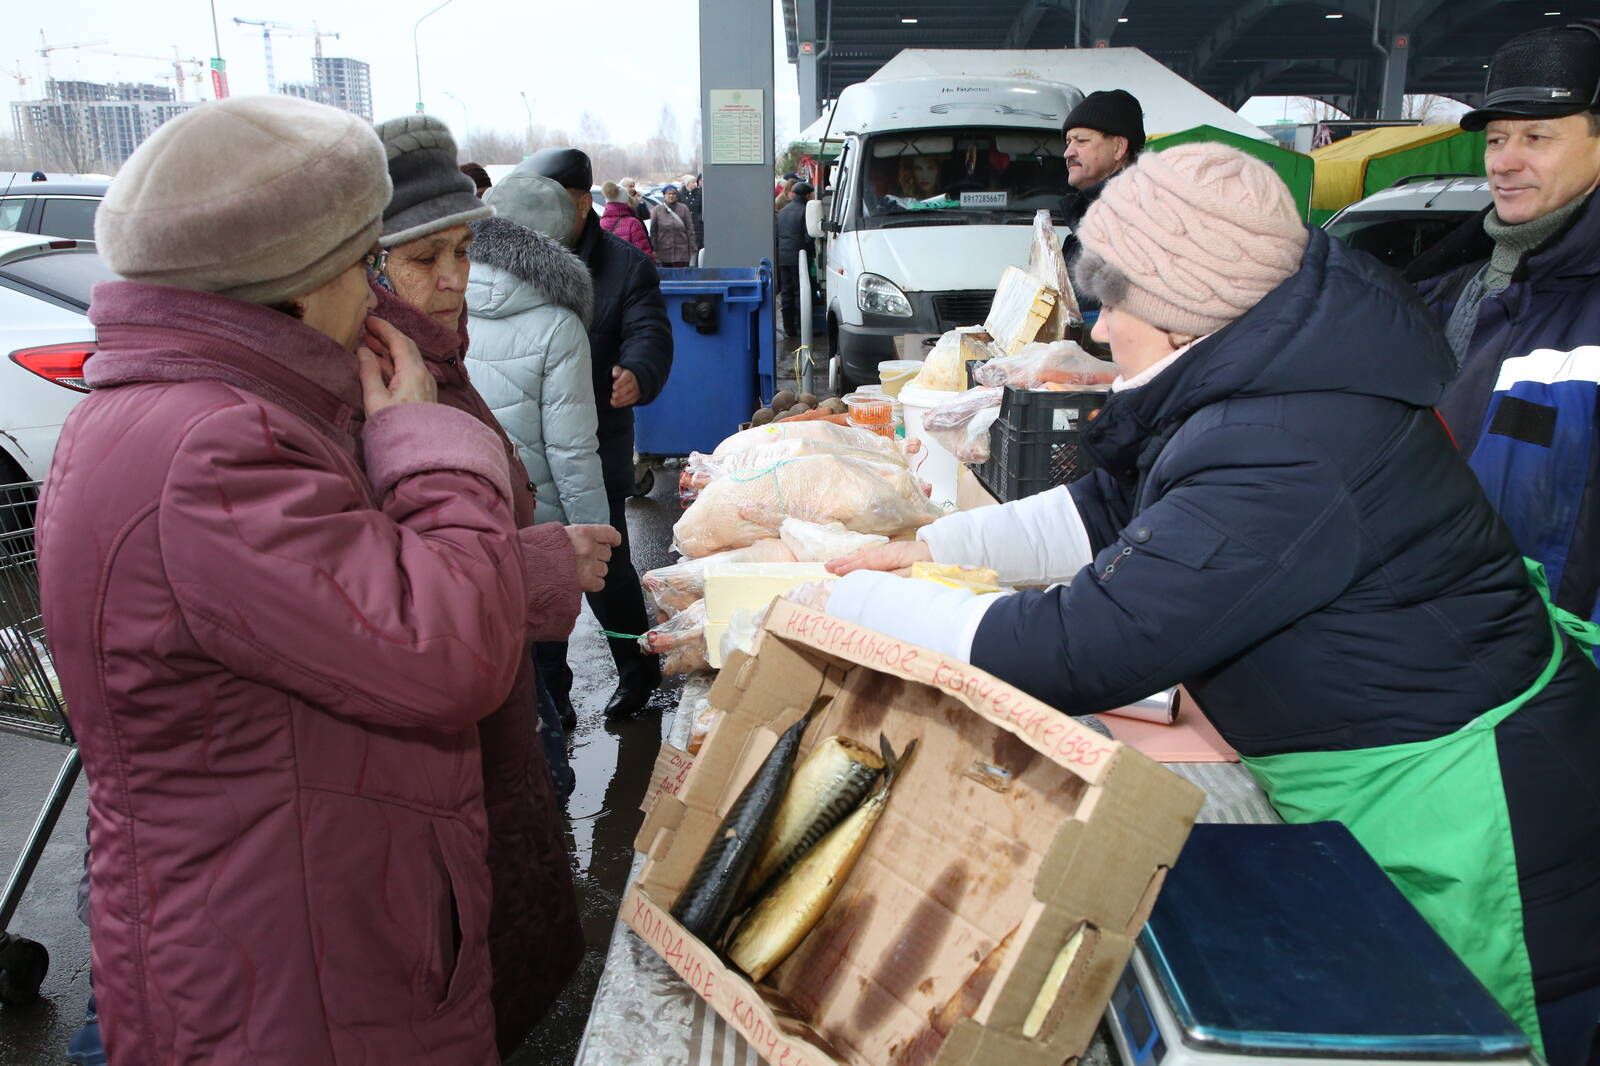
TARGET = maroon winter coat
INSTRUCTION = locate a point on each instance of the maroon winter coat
(274, 660)
(535, 937)
(620, 219)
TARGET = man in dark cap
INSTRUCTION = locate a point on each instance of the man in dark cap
(1517, 290)
(630, 346)
(792, 239)
(1104, 135)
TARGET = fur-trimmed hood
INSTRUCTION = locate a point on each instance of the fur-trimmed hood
(526, 270)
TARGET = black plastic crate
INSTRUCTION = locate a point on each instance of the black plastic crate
(1035, 443)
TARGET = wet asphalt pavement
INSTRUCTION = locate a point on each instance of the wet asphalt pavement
(612, 761)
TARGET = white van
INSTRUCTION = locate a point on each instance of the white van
(932, 197)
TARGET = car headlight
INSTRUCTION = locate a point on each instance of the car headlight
(879, 296)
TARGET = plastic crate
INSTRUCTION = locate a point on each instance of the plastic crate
(1035, 443)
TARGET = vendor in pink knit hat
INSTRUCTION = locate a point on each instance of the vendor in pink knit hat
(1181, 245)
(1280, 523)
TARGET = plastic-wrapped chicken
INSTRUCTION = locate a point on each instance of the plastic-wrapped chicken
(674, 588)
(702, 469)
(866, 496)
(841, 438)
(680, 641)
(816, 542)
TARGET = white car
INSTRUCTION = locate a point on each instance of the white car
(1397, 224)
(45, 337)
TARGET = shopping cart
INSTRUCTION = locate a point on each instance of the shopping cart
(30, 705)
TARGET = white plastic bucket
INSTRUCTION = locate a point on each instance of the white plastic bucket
(933, 463)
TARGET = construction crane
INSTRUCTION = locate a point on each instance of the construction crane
(177, 62)
(20, 78)
(284, 30)
(45, 48)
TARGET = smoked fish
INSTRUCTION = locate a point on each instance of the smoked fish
(797, 901)
(829, 784)
(706, 903)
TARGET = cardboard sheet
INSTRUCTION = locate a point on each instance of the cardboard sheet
(1014, 832)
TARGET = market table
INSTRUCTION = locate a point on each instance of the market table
(644, 1013)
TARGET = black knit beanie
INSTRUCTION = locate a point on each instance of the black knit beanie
(1114, 112)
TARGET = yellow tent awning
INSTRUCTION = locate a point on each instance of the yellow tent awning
(1341, 167)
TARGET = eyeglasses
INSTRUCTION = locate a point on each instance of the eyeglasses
(378, 261)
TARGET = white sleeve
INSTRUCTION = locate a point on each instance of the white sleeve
(1037, 541)
(923, 613)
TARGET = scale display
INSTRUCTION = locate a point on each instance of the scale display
(1288, 942)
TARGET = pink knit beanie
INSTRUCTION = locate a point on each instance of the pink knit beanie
(1201, 232)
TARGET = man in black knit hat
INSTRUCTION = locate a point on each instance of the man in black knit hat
(1105, 134)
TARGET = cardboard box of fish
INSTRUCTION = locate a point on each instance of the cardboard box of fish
(883, 857)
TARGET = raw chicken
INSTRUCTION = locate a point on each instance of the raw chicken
(867, 496)
(674, 588)
(841, 438)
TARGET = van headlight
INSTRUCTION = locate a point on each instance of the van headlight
(879, 296)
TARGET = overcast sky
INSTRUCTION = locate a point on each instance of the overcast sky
(621, 65)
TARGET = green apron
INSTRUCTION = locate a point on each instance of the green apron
(1433, 814)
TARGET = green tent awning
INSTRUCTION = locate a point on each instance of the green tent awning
(1364, 163)
(1295, 169)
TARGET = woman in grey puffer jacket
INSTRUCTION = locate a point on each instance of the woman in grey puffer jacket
(528, 302)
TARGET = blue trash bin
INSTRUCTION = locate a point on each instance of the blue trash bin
(722, 348)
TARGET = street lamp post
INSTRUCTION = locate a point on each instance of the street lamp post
(529, 109)
(416, 48)
(466, 118)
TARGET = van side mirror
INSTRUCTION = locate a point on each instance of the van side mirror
(814, 218)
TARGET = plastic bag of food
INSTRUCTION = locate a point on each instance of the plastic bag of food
(844, 438)
(944, 370)
(1058, 363)
(1046, 263)
(743, 629)
(866, 496)
(961, 426)
(673, 588)
(705, 716)
(680, 641)
(815, 542)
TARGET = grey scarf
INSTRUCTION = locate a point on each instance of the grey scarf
(1512, 243)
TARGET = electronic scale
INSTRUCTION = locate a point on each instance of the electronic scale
(1280, 943)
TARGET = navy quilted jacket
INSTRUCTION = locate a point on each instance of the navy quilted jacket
(1282, 523)
(1523, 410)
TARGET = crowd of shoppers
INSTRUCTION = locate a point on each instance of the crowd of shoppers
(311, 550)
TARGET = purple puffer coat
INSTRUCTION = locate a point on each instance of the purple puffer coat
(274, 661)
(619, 219)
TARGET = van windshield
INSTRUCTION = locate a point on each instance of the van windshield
(961, 175)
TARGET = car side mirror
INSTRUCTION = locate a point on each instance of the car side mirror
(814, 222)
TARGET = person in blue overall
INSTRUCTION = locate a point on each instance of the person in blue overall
(1517, 290)
(1280, 521)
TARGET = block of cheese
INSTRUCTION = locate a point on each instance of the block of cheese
(979, 580)
(1021, 306)
(732, 587)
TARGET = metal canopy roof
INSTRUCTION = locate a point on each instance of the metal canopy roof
(1233, 49)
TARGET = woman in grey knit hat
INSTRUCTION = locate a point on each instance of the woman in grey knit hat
(535, 940)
